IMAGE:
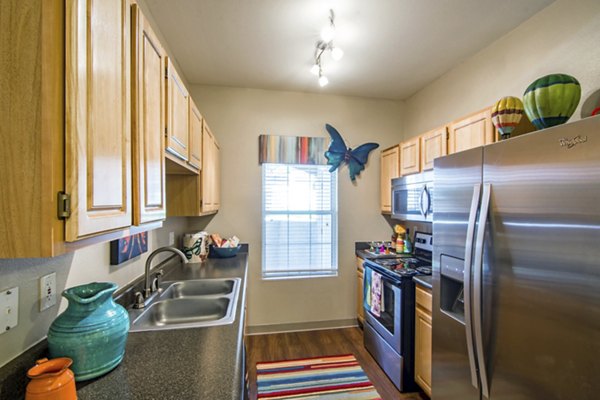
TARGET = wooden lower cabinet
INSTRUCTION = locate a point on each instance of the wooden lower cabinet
(423, 339)
(360, 311)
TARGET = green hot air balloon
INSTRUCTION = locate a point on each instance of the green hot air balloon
(551, 100)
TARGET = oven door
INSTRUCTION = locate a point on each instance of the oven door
(388, 324)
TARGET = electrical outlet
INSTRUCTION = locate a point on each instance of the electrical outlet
(171, 238)
(47, 291)
(9, 309)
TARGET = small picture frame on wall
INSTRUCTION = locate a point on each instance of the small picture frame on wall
(128, 247)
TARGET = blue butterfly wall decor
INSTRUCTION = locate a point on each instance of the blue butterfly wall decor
(339, 153)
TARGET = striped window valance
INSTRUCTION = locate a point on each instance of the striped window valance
(292, 149)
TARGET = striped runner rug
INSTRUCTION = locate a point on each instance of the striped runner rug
(324, 378)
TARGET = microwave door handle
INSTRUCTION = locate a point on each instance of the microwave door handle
(423, 190)
(428, 198)
(478, 286)
(467, 283)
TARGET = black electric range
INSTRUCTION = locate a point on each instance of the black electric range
(405, 266)
(389, 332)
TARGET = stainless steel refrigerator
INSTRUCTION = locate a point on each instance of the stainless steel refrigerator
(516, 268)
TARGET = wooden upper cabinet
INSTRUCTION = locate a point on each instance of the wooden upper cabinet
(148, 102)
(177, 140)
(195, 154)
(211, 190)
(434, 144)
(98, 120)
(472, 131)
(410, 156)
(32, 42)
(390, 169)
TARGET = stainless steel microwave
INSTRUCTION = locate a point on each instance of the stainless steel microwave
(412, 197)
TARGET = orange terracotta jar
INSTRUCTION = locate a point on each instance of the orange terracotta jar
(51, 380)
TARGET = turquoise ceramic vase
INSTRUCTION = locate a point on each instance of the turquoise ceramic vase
(92, 331)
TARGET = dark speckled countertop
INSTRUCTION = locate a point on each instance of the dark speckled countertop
(424, 280)
(196, 363)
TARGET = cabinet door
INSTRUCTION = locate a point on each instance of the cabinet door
(360, 312)
(195, 155)
(177, 114)
(216, 185)
(410, 156)
(472, 131)
(390, 169)
(148, 105)
(98, 120)
(211, 172)
(434, 144)
(423, 349)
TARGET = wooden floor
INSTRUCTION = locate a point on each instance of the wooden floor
(287, 346)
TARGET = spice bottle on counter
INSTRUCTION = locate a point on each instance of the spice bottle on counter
(393, 243)
(399, 244)
(407, 243)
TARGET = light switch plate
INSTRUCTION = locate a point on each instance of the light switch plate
(9, 309)
(171, 238)
(47, 291)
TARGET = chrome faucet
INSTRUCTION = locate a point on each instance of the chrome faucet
(151, 286)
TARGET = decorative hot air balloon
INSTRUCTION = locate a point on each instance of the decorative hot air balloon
(506, 114)
(551, 100)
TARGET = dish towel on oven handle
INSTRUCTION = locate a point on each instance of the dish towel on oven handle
(376, 294)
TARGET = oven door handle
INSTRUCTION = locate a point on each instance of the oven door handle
(467, 270)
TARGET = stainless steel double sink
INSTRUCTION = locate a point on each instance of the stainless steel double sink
(189, 304)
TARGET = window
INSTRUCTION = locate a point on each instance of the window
(299, 232)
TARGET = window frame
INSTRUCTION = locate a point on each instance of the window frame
(334, 210)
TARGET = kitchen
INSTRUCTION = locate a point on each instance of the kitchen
(546, 42)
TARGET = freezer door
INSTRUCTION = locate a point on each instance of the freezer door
(541, 265)
(456, 178)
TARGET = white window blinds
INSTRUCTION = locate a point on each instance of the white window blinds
(299, 229)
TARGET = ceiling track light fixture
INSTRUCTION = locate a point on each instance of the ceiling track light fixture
(323, 45)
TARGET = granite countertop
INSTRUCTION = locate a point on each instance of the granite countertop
(196, 363)
(424, 280)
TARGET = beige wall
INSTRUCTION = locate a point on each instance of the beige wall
(83, 266)
(238, 117)
(564, 37)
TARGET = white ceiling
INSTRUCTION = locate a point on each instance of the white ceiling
(392, 48)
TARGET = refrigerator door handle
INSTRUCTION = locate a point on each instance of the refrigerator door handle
(467, 282)
(478, 286)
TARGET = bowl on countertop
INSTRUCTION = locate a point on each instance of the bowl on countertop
(223, 252)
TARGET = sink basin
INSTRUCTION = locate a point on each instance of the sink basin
(189, 304)
(184, 311)
(202, 287)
